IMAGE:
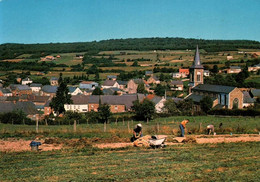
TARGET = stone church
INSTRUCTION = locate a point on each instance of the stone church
(222, 96)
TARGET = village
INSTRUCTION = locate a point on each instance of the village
(34, 98)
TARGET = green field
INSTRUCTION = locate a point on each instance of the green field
(188, 162)
(123, 130)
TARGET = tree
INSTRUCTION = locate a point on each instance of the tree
(185, 106)
(170, 107)
(135, 64)
(62, 97)
(97, 91)
(143, 110)
(96, 78)
(206, 104)
(141, 88)
(215, 69)
(104, 113)
(160, 90)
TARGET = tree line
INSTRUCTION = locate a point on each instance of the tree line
(12, 50)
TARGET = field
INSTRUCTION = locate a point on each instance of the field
(188, 162)
(79, 159)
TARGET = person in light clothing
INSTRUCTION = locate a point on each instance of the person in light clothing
(183, 126)
(210, 129)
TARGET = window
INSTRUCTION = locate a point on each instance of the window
(198, 76)
(116, 108)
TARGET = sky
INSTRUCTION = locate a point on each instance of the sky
(44, 21)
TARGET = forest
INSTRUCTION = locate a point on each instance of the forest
(12, 50)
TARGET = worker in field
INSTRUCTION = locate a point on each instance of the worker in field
(137, 132)
(210, 129)
(183, 126)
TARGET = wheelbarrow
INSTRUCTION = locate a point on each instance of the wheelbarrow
(156, 142)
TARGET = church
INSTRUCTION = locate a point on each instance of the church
(227, 97)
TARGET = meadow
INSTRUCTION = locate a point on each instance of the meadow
(122, 130)
(187, 162)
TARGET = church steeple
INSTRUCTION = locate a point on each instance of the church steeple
(196, 63)
(196, 70)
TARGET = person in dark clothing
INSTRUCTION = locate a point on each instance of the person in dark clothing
(137, 132)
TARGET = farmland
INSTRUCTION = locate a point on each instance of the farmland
(188, 162)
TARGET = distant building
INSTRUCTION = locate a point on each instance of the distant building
(230, 57)
(36, 87)
(26, 81)
(88, 85)
(110, 84)
(247, 99)
(176, 85)
(148, 73)
(132, 85)
(176, 75)
(206, 73)
(154, 80)
(234, 69)
(5, 92)
(74, 91)
(111, 77)
(184, 72)
(18, 90)
(54, 81)
(49, 90)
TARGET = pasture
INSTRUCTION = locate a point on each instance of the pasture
(187, 162)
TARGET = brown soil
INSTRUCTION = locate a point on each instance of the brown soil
(14, 145)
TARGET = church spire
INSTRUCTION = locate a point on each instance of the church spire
(196, 63)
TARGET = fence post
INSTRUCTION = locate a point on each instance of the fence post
(116, 120)
(147, 120)
(23, 122)
(128, 127)
(87, 121)
(200, 127)
(123, 121)
(75, 126)
(46, 123)
(37, 125)
(158, 128)
(105, 127)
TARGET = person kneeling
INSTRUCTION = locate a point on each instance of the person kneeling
(137, 132)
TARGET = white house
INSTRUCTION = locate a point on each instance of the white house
(110, 84)
(26, 81)
(36, 87)
(206, 72)
(176, 75)
(80, 104)
(74, 91)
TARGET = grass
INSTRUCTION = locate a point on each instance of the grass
(188, 162)
(121, 131)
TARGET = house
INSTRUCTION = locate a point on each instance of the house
(112, 91)
(254, 68)
(27, 107)
(247, 99)
(110, 83)
(121, 103)
(122, 84)
(133, 84)
(176, 85)
(54, 81)
(158, 101)
(206, 73)
(148, 73)
(49, 90)
(18, 90)
(80, 56)
(48, 58)
(26, 81)
(47, 108)
(176, 75)
(74, 91)
(79, 104)
(36, 87)
(153, 80)
(111, 77)
(88, 85)
(255, 93)
(39, 101)
(230, 57)
(184, 72)
(93, 102)
(5, 92)
(222, 96)
(234, 69)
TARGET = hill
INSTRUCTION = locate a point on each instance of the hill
(12, 50)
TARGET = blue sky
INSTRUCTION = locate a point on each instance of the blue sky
(44, 21)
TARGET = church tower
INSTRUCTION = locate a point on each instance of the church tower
(196, 70)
